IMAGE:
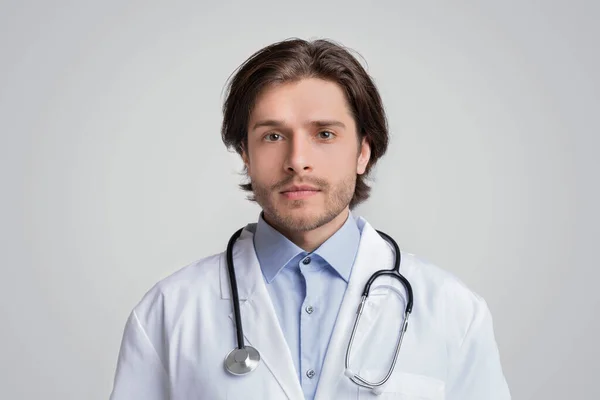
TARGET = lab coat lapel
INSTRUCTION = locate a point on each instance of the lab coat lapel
(259, 320)
(373, 254)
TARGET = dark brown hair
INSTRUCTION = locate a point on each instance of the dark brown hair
(295, 59)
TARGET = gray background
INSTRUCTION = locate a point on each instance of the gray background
(114, 175)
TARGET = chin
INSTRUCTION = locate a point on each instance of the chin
(304, 219)
(300, 213)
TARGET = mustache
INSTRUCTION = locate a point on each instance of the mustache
(320, 184)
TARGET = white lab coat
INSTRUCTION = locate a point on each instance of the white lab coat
(177, 337)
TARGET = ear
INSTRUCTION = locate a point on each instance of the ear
(363, 156)
(245, 158)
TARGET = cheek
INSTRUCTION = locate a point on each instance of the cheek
(342, 161)
(262, 166)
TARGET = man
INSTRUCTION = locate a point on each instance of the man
(309, 125)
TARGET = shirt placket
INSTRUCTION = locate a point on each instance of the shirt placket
(309, 368)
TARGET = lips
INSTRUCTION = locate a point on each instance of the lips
(297, 192)
(300, 188)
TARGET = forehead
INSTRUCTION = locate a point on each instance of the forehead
(309, 98)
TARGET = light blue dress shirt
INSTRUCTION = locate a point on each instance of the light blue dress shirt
(307, 290)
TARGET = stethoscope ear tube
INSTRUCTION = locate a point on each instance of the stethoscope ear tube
(354, 377)
(395, 273)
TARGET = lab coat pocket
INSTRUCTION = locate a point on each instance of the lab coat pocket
(405, 386)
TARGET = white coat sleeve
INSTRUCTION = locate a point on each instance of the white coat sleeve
(140, 373)
(475, 371)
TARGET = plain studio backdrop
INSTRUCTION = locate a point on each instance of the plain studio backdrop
(114, 174)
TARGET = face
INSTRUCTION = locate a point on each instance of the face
(303, 154)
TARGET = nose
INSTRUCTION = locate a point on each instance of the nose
(299, 159)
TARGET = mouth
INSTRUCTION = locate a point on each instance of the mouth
(299, 192)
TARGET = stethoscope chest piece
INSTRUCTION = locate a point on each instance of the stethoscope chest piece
(242, 361)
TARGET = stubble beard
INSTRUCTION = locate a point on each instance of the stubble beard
(284, 215)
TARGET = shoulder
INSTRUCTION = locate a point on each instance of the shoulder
(192, 281)
(431, 283)
(449, 298)
(435, 278)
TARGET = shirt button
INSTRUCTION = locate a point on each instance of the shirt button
(306, 261)
(309, 309)
(310, 373)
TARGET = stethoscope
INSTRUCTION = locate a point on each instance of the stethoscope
(244, 359)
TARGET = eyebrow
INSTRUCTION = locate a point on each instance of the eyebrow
(318, 123)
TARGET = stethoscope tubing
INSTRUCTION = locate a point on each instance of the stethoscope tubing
(234, 290)
(395, 272)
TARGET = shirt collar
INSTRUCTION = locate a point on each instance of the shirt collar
(275, 251)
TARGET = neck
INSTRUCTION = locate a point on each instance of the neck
(311, 240)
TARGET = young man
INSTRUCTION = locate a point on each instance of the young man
(309, 125)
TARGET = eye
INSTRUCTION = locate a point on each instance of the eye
(272, 137)
(326, 135)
